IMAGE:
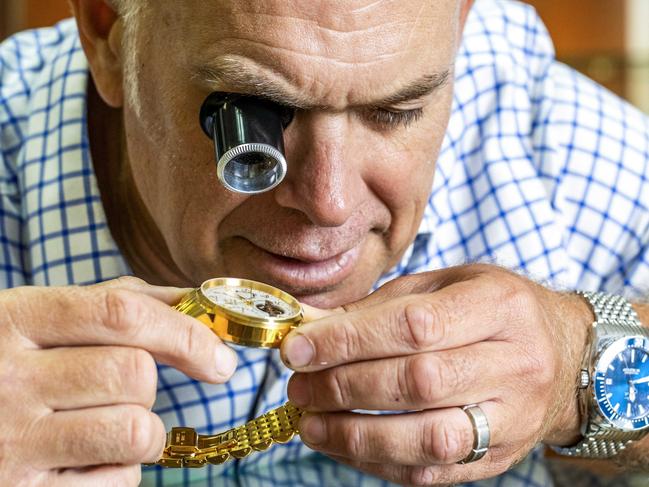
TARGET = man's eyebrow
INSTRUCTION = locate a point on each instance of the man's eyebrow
(422, 87)
(272, 86)
(250, 81)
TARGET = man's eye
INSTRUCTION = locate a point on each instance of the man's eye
(390, 119)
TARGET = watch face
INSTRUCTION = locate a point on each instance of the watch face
(621, 384)
(251, 302)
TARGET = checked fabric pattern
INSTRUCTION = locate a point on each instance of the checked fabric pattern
(541, 170)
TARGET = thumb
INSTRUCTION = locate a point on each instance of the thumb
(422, 283)
(311, 313)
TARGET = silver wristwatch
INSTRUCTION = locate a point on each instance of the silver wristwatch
(614, 380)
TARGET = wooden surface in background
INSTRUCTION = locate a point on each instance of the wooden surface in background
(588, 34)
(19, 15)
(39, 13)
(580, 27)
(577, 26)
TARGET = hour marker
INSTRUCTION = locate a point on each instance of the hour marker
(616, 407)
(620, 357)
(633, 355)
(628, 409)
(641, 408)
(608, 396)
(609, 382)
(644, 358)
(610, 367)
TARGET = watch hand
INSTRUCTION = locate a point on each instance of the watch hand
(640, 381)
(244, 298)
(626, 362)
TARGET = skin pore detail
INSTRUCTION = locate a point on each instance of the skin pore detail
(464, 352)
(360, 150)
(130, 224)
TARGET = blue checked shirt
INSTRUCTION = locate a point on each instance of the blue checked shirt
(541, 170)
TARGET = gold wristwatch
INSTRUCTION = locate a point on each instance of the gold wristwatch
(247, 313)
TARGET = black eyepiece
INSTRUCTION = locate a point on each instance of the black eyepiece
(248, 135)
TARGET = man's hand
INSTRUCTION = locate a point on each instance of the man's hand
(427, 345)
(78, 379)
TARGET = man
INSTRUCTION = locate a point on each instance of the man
(106, 173)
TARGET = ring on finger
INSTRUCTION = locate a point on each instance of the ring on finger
(481, 433)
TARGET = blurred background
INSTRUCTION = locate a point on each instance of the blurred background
(608, 40)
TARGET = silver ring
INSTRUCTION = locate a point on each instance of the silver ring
(481, 433)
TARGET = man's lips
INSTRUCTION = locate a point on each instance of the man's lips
(305, 271)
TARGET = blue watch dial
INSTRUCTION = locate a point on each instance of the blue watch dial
(621, 385)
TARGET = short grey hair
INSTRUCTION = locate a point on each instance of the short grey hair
(129, 11)
(125, 7)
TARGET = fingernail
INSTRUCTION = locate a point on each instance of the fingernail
(226, 362)
(298, 390)
(312, 429)
(298, 351)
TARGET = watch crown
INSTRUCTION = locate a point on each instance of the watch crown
(584, 379)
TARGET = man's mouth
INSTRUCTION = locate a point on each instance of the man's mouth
(303, 272)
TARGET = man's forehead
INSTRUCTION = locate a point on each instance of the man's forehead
(343, 16)
(323, 47)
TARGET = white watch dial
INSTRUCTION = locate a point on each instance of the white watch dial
(250, 302)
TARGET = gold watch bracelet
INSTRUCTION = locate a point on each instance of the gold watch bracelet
(184, 447)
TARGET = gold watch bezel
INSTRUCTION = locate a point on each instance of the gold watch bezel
(238, 328)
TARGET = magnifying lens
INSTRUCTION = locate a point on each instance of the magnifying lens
(248, 135)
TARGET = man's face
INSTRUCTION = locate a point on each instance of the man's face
(373, 83)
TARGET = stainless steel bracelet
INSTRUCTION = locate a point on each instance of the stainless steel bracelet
(615, 318)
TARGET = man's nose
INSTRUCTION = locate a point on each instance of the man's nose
(324, 180)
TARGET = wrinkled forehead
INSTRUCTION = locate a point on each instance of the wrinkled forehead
(338, 51)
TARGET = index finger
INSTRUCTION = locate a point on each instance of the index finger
(457, 315)
(122, 316)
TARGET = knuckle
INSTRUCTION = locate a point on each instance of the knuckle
(420, 476)
(515, 293)
(130, 282)
(193, 343)
(427, 379)
(139, 433)
(524, 302)
(483, 269)
(531, 364)
(144, 377)
(113, 374)
(495, 278)
(339, 386)
(121, 310)
(424, 324)
(346, 341)
(353, 440)
(444, 443)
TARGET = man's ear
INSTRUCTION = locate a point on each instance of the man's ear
(100, 31)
